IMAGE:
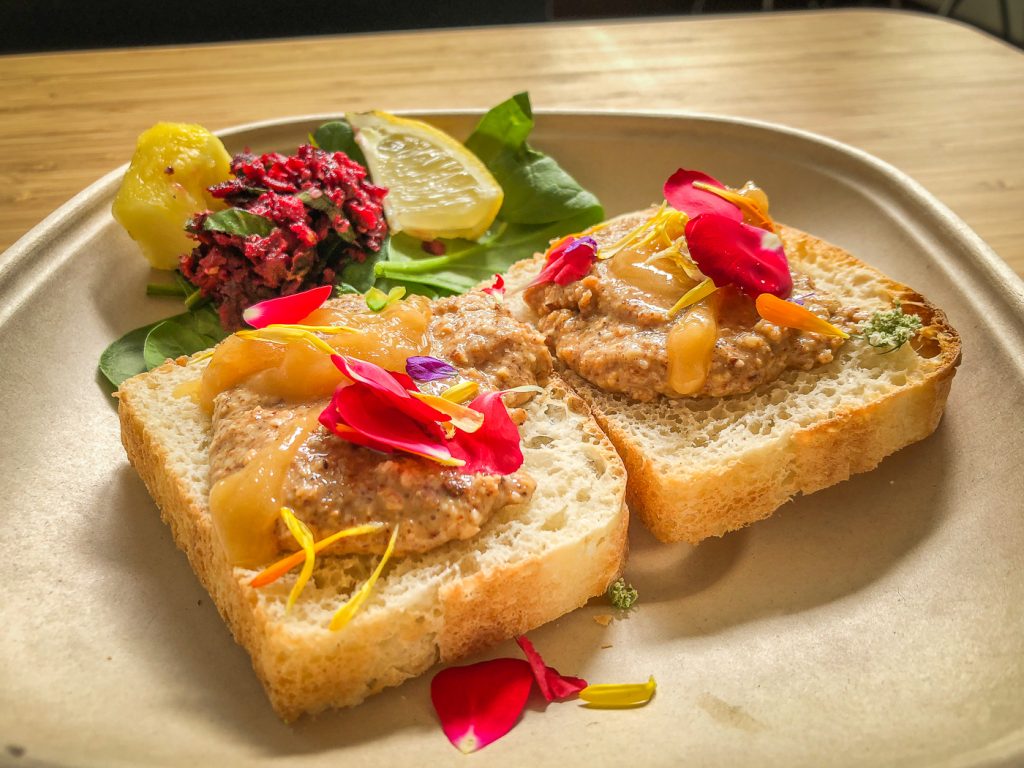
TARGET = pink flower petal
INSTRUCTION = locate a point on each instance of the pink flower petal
(683, 196)
(480, 703)
(385, 411)
(382, 427)
(733, 253)
(494, 448)
(497, 288)
(286, 310)
(568, 261)
(554, 686)
(393, 386)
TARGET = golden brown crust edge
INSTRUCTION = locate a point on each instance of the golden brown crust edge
(478, 611)
(813, 457)
(486, 608)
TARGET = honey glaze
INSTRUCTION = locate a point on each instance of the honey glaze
(297, 372)
(245, 506)
(691, 345)
(660, 280)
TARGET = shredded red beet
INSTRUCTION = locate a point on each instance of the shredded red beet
(325, 215)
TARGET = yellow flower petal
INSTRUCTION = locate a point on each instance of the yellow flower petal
(699, 292)
(461, 392)
(272, 573)
(462, 417)
(286, 334)
(304, 536)
(619, 695)
(751, 210)
(351, 607)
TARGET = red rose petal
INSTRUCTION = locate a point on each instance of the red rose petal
(497, 288)
(568, 261)
(554, 686)
(480, 703)
(286, 310)
(683, 196)
(392, 386)
(365, 411)
(494, 448)
(733, 253)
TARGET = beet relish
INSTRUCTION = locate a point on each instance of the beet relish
(325, 213)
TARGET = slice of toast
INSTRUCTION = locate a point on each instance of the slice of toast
(530, 563)
(701, 467)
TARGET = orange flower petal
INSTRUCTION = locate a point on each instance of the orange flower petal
(791, 315)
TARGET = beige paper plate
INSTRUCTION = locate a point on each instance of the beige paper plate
(880, 622)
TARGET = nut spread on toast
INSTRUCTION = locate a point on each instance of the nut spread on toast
(627, 325)
(332, 484)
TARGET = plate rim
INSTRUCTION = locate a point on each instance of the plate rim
(12, 260)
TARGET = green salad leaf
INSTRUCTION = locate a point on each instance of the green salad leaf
(466, 263)
(338, 136)
(542, 202)
(358, 276)
(149, 346)
(537, 189)
(183, 334)
(124, 358)
(237, 221)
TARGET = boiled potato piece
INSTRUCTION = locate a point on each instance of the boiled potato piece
(166, 184)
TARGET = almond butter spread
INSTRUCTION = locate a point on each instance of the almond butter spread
(614, 329)
(268, 450)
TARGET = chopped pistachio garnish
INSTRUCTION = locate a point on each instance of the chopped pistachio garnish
(888, 331)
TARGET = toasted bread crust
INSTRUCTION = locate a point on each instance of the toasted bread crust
(306, 669)
(684, 505)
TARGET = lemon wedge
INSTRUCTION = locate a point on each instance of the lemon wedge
(166, 184)
(436, 187)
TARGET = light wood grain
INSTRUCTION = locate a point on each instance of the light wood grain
(939, 100)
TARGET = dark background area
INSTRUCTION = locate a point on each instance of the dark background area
(49, 25)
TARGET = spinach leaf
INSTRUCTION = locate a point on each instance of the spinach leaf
(237, 221)
(537, 189)
(338, 136)
(466, 263)
(358, 275)
(320, 202)
(323, 203)
(183, 334)
(504, 127)
(124, 358)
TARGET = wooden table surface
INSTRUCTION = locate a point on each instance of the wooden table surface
(939, 100)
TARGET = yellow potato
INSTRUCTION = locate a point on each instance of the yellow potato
(166, 184)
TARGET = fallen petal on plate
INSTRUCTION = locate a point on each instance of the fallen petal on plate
(619, 695)
(479, 703)
(553, 686)
(286, 310)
